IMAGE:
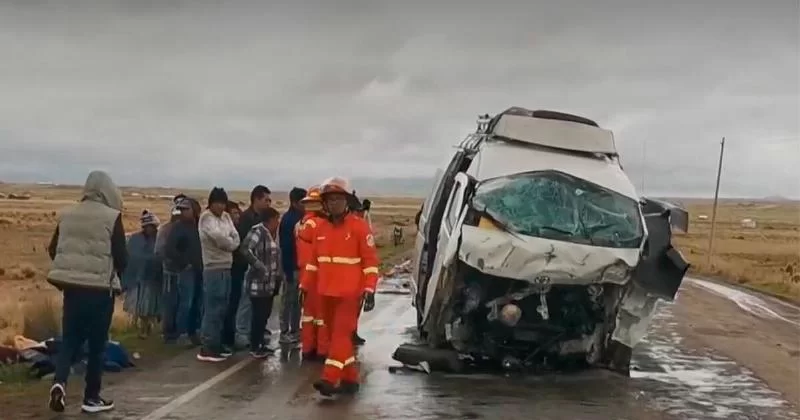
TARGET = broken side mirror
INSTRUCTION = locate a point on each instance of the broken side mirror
(662, 268)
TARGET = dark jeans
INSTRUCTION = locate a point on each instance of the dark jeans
(290, 312)
(262, 308)
(178, 297)
(237, 279)
(216, 290)
(86, 318)
(196, 313)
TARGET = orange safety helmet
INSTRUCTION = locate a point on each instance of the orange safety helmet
(313, 195)
(335, 185)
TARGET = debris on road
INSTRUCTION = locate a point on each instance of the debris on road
(425, 359)
(396, 280)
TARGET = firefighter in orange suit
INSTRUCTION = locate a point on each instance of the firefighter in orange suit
(314, 334)
(345, 268)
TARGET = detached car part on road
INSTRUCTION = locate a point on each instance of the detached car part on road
(535, 250)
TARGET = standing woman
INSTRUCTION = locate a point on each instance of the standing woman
(142, 277)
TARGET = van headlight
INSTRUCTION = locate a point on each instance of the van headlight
(617, 273)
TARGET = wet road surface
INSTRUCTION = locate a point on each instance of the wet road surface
(669, 380)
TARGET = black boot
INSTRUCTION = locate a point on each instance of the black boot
(349, 388)
(325, 388)
(357, 340)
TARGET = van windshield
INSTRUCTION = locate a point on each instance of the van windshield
(555, 205)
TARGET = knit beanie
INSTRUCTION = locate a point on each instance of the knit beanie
(217, 195)
(149, 219)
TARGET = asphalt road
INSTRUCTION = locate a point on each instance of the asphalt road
(671, 379)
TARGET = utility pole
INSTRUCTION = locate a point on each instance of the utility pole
(710, 252)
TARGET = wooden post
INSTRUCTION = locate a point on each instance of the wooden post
(710, 252)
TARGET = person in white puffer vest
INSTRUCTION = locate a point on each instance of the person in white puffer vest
(218, 240)
(89, 255)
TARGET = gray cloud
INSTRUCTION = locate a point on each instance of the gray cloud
(199, 93)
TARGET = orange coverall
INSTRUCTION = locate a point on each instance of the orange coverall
(344, 266)
(314, 333)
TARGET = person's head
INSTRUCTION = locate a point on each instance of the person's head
(149, 222)
(260, 198)
(296, 196)
(185, 210)
(217, 201)
(335, 193)
(178, 198)
(354, 205)
(234, 211)
(366, 204)
(312, 201)
(270, 218)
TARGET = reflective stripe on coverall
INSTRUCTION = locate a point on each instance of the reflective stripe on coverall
(346, 267)
(314, 335)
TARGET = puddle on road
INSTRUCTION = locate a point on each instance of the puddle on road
(669, 379)
(693, 383)
(746, 301)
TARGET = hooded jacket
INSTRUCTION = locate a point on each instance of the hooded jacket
(88, 247)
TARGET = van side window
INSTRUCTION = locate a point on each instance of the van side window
(455, 208)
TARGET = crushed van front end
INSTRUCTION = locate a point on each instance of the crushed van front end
(547, 282)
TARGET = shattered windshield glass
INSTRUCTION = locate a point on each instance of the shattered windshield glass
(558, 206)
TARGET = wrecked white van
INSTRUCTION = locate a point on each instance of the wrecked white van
(535, 250)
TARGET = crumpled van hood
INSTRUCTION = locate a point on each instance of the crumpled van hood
(100, 188)
(522, 257)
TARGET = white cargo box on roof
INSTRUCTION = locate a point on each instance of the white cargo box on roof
(555, 133)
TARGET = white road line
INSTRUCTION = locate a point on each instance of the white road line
(173, 405)
(194, 392)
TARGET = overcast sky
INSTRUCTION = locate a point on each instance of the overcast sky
(198, 92)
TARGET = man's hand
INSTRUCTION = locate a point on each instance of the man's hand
(369, 301)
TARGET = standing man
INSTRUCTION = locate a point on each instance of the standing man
(218, 240)
(356, 208)
(345, 272)
(238, 318)
(89, 255)
(290, 313)
(315, 339)
(182, 257)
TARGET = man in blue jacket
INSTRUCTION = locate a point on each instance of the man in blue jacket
(290, 313)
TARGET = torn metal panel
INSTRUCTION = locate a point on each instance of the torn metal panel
(527, 258)
(635, 313)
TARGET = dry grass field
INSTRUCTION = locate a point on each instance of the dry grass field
(29, 304)
(765, 257)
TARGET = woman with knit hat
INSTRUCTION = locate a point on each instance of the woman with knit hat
(142, 277)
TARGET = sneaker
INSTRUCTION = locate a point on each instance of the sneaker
(57, 394)
(226, 351)
(210, 356)
(96, 405)
(261, 353)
